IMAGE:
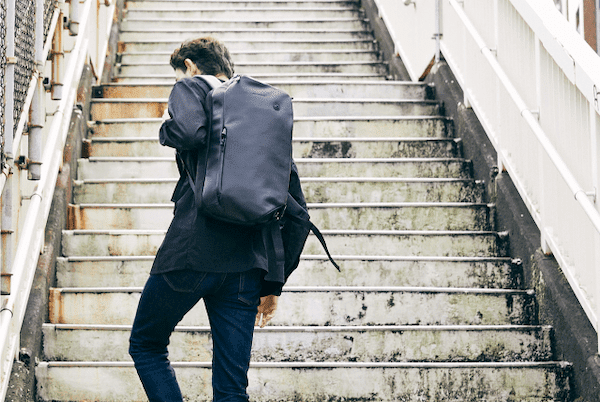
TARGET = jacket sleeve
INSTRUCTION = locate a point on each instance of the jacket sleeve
(186, 129)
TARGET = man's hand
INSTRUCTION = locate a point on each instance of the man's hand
(266, 310)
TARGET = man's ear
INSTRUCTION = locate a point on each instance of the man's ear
(190, 66)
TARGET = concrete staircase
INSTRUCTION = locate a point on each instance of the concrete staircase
(428, 306)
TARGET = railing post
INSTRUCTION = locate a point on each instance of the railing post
(438, 30)
(6, 224)
(74, 17)
(595, 151)
(38, 109)
(58, 56)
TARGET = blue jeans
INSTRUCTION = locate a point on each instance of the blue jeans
(231, 301)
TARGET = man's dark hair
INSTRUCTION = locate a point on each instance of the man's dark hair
(208, 54)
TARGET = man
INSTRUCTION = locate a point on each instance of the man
(200, 258)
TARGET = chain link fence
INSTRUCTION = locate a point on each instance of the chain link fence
(48, 10)
(24, 51)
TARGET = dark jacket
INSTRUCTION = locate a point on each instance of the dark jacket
(194, 241)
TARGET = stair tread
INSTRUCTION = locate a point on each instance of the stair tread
(318, 328)
(494, 365)
(330, 289)
(317, 257)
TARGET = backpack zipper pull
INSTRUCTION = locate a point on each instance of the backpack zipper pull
(223, 135)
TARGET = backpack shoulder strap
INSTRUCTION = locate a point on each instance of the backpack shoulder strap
(213, 82)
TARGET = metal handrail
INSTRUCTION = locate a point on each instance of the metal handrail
(578, 192)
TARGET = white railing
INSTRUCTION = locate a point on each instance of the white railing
(26, 203)
(535, 86)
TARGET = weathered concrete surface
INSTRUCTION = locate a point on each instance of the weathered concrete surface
(575, 339)
(499, 273)
(276, 382)
(363, 216)
(319, 344)
(141, 24)
(348, 127)
(153, 108)
(265, 6)
(324, 190)
(323, 306)
(183, 11)
(353, 89)
(162, 44)
(441, 168)
(302, 148)
(315, 56)
(372, 68)
(368, 243)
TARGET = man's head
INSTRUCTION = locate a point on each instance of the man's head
(202, 56)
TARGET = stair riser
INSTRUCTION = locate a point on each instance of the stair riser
(475, 217)
(225, 36)
(124, 109)
(268, 77)
(283, 57)
(278, 45)
(250, 14)
(225, 5)
(458, 245)
(451, 169)
(349, 68)
(318, 385)
(266, 22)
(442, 169)
(492, 274)
(350, 345)
(160, 192)
(322, 308)
(296, 90)
(416, 128)
(301, 149)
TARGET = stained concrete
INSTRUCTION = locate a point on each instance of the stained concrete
(575, 338)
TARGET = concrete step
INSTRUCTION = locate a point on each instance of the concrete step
(315, 89)
(361, 216)
(103, 343)
(260, 68)
(235, 4)
(326, 147)
(131, 191)
(342, 127)
(322, 306)
(244, 34)
(350, 242)
(245, 45)
(135, 23)
(271, 382)
(467, 272)
(254, 57)
(303, 107)
(266, 77)
(162, 168)
(406, 167)
(189, 11)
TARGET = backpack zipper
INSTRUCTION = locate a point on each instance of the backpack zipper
(222, 143)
